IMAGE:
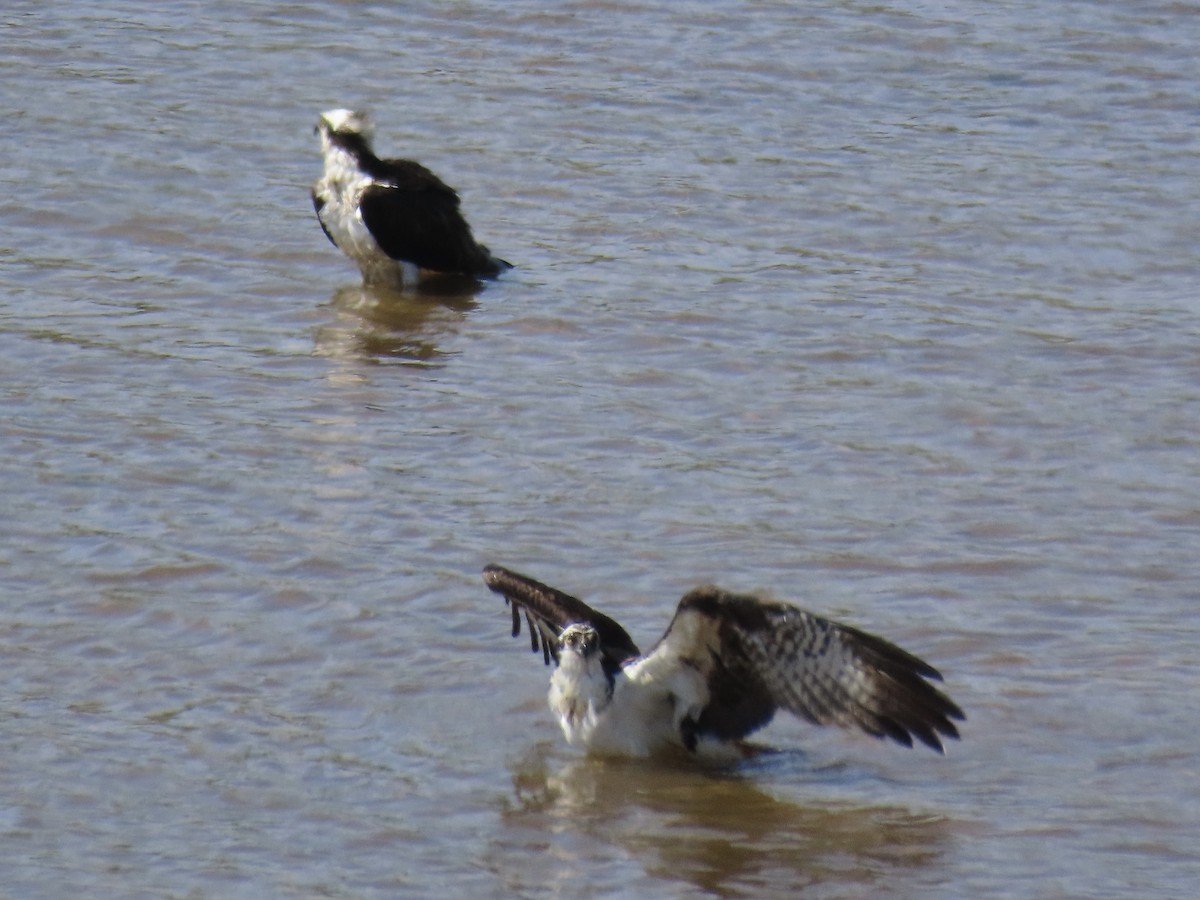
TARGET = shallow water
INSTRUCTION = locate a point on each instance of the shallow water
(889, 310)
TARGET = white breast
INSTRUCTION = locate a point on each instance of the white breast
(641, 718)
(341, 189)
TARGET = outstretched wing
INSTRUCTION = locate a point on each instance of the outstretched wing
(415, 218)
(548, 611)
(758, 657)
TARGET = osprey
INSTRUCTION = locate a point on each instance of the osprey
(393, 217)
(726, 663)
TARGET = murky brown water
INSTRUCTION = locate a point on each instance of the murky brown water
(890, 310)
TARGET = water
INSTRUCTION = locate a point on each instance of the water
(889, 310)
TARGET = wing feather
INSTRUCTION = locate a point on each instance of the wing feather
(548, 611)
(415, 217)
(779, 656)
(319, 205)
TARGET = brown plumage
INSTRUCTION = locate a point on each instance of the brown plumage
(724, 666)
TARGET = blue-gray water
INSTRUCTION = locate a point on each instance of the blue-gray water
(887, 309)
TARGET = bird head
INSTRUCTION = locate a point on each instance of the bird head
(579, 638)
(345, 122)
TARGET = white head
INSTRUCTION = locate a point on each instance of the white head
(343, 130)
(347, 121)
(579, 639)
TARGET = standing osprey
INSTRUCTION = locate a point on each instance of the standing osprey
(393, 217)
(725, 665)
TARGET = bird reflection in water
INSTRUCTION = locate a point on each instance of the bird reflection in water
(386, 325)
(716, 830)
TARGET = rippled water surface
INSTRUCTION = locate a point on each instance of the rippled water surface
(887, 309)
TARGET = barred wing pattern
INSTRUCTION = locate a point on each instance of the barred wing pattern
(728, 662)
(774, 655)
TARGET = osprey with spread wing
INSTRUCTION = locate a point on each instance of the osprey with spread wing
(725, 665)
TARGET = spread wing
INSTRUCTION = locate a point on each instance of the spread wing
(758, 657)
(415, 218)
(548, 611)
